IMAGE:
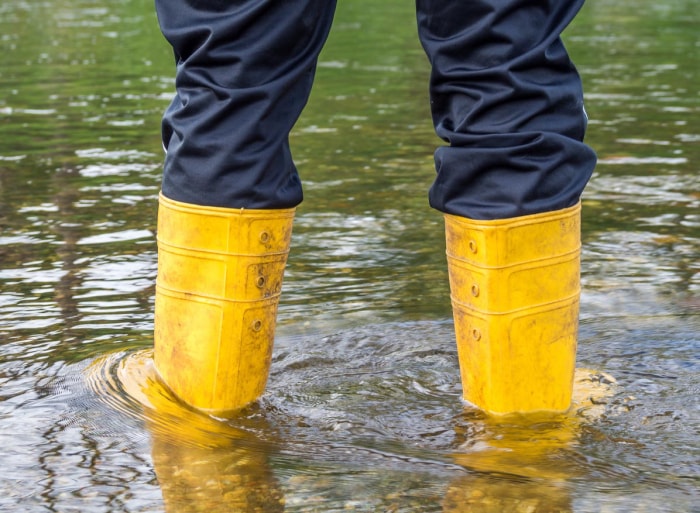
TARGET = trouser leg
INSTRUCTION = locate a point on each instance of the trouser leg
(508, 101)
(244, 73)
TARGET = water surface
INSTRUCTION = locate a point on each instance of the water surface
(362, 411)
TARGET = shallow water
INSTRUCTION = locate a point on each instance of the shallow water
(362, 411)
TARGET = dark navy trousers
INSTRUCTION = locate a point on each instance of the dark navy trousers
(504, 95)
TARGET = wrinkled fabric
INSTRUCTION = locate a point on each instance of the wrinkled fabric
(244, 74)
(504, 96)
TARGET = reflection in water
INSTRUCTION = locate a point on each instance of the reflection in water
(202, 464)
(524, 463)
(70, 282)
(538, 445)
(208, 464)
(214, 479)
(498, 495)
(362, 411)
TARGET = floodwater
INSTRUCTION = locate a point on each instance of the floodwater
(362, 411)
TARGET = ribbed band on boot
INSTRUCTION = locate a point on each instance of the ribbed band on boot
(515, 290)
(219, 280)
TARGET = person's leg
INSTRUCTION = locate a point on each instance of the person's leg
(508, 101)
(244, 74)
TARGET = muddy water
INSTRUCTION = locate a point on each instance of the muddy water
(362, 412)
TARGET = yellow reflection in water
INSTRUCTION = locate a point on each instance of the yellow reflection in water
(202, 465)
(516, 463)
(523, 463)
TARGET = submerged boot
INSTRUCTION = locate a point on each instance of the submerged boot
(219, 281)
(515, 290)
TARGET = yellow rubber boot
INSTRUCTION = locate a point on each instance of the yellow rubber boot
(219, 280)
(515, 290)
